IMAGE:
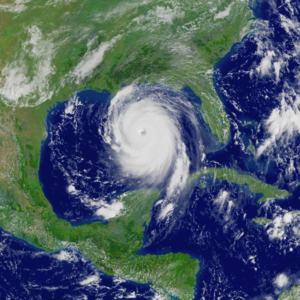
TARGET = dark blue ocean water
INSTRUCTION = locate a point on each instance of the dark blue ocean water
(75, 154)
(33, 274)
(242, 260)
(239, 259)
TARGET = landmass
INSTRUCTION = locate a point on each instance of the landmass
(261, 221)
(255, 185)
(252, 148)
(26, 213)
(111, 247)
(58, 46)
(293, 294)
(42, 61)
(295, 212)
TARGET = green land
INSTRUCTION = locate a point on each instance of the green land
(256, 186)
(46, 50)
(49, 48)
(110, 247)
(261, 221)
(26, 213)
(293, 294)
(252, 148)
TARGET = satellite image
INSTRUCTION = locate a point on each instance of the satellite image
(150, 149)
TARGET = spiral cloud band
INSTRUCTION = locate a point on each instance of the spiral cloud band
(147, 136)
(144, 130)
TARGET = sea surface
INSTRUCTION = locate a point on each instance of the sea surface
(239, 259)
(78, 168)
(31, 273)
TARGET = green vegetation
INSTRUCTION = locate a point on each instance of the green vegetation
(256, 186)
(293, 294)
(252, 148)
(26, 213)
(111, 247)
(202, 185)
(47, 42)
(261, 221)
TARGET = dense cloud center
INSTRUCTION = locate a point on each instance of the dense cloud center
(145, 133)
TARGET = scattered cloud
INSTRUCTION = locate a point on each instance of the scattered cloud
(91, 279)
(17, 7)
(266, 64)
(19, 86)
(282, 123)
(65, 255)
(277, 229)
(281, 280)
(166, 14)
(221, 200)
(55, 2)
(223, 14)
(108, 211)
(91, 60)
(166, 211)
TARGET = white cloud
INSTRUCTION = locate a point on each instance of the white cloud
(132, 295)
(108, 211)
(19, 88)
(69, 110)
(159, 15)
(117, 280)
(223, 14)
(55, 2)
(157, 296)
(165, 211)
(283, 121)
(281, 280)
(17, 7)
(166, 14)
(158, 202)
(90, 279)
(91, 60)
(181, 171)
(145, 135)
(221, 199)
(287, 24)
(119, 10)
(278, 228)
(287, 218)
(277, 231)
(229, 207)
(277, 66)
(71, 189)
(266, 64)
(66, 256)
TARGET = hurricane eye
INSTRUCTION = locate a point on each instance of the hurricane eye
(142, 132)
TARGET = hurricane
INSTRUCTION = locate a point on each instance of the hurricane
(144, 129)
(146, 136)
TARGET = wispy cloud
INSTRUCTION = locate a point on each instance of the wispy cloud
(19, 87)
(91, 60)
(283, 123)
(17, 7)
